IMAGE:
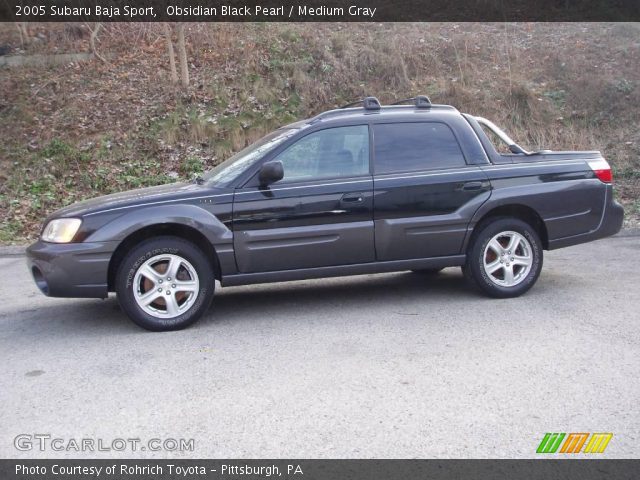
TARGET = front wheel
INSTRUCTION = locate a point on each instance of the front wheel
(505, 258)
(165, 283)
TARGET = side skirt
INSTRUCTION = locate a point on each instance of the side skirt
(342, 270)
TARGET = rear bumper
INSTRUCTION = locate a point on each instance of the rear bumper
(610, 224)
(71, 269)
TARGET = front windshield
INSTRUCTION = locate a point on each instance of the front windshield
(229, 169)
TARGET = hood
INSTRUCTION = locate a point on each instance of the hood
(172, 191)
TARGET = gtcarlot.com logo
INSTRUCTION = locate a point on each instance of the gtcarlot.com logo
(26, 442)
(573, 443)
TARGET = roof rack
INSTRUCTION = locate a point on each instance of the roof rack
(368, 103)
(371, 104)
(420, 101)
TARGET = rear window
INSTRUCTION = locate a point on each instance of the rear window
(406, 147)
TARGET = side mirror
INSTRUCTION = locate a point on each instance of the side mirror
(270, 173)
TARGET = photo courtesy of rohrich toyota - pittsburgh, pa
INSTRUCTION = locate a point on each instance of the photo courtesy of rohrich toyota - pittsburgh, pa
(365, 240)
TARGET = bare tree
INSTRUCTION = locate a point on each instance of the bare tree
(24, 33)
(92, 40)
(182, 55)
(172, 56)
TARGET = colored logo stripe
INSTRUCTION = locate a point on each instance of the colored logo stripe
(550, 443)
(598, 442)
(574, 443)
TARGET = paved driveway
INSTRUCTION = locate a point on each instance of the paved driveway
(393, 365)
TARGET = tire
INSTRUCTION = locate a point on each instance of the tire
(154, 300)
(514, 270)
(428, 271)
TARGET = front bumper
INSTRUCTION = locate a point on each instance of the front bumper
(71, 269)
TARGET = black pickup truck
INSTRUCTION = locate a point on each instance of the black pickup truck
(351, 191)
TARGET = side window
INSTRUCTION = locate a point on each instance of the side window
(334, 152)
(406, 147)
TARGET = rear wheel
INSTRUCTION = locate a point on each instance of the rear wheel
(165, 283)
(505, 258)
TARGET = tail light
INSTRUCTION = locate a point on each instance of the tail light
(602, 170)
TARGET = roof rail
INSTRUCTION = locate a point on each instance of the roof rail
(420, 101)
(368, 103)
(371, 104)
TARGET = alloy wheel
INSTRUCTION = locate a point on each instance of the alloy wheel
(507, 258)
(166, 286)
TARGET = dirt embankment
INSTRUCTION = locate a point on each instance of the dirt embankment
(80, 129)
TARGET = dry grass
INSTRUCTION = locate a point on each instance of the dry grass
(557, 86)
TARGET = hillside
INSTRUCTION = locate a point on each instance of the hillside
(82, 129)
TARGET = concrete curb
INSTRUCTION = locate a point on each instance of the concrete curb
(19, 250)
(12, 250)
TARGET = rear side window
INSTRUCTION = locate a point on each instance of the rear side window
(406, 147)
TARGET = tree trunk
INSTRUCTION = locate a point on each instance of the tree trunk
(92, 41)
(182, 55)
(172, 56)
(24, 34)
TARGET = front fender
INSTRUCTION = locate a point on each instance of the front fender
(193, 216)
(189, 215)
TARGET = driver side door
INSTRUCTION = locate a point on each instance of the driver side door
(321, 212)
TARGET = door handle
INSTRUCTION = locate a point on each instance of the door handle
(352, 198)
(470, 186)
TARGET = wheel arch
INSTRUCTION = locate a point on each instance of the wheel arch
(178, 230)
(512, 210)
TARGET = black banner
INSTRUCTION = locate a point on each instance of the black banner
(319, 10)
(320, 469)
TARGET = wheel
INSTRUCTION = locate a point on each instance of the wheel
(428, 271)
(165, 283)
(504, 258)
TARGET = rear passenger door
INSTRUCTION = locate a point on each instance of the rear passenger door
(425, 193)
(320, 214)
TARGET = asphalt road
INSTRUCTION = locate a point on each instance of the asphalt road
(393, 365)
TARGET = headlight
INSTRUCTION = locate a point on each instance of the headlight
(61, 230)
